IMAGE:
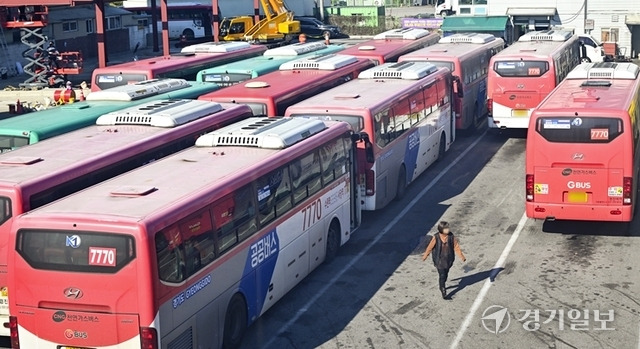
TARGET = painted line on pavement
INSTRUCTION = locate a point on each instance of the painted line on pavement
(487, 284)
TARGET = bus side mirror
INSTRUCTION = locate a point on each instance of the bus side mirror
(457, 87)
(368, 147)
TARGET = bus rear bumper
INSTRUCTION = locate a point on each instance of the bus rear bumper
(507, 122)
(579, 212)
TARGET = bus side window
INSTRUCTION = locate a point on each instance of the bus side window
(274, 195)
(5, 209)
(402, 118)
(197, 241)
(333, 159)
(418, 112)
(170, 258)
(382, 121)
(235, 218)
(309, 181)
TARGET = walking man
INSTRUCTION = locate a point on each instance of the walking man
(443, 245)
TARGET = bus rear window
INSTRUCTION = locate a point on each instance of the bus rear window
(5, 209)
(258, 109)
(9, 143)
(105, 81)
(521, 69)
(356, 122)
(75, 251)
(225, 80)
(579, 130)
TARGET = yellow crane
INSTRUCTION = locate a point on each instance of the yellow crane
(277, 25)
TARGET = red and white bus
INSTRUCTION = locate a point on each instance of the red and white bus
(46, 171)
(467, 56)
(390, 45)
(184, 65)
(523, 74)
(405, 109)
(213, 235)
(271, 94)
(583, 144)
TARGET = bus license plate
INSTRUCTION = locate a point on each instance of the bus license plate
(520, 113)
(578, 196)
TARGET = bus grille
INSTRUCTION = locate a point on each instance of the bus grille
(306, 65)
(238, 140)
(133, 120)
(183, 341)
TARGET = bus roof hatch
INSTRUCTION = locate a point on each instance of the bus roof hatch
(327, 62)
(473, 38)
(295, 49)
(547, 35)
(402, 33)
(267, 133)
(605, 71)
(216, 47)
(403, 70)
(162, 113)
(142, 89)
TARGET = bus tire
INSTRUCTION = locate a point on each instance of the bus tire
(401, 188)
(235, 322)
(189, 34)
(333, 241)
(441, 147)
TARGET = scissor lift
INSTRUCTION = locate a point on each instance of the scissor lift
(30, 20)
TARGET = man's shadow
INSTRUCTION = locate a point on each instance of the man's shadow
(473, 279)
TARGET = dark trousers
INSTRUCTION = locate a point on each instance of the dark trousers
(443, 273)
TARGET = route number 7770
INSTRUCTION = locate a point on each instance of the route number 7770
(311, 214)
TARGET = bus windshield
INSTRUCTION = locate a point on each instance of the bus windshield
(226, 79)
(105, 81)
(521, 69)
(356, 122)
(8, 143)
(75, 251)
(579, 130)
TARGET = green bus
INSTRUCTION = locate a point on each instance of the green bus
(30, 128)
(237, 72)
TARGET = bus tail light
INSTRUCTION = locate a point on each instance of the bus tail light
(13, 332)
(148, 338)
(490, 106)
(627, 186)
(370, 182)
(529, 185)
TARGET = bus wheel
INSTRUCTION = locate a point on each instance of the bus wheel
(189, 34)
(333, 241)
(401, 188)
(441, 147)
(235, 322)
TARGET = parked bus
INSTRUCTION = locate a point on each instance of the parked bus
(467, 56)
(523, 74)
(212, 235)
(188, 20)
(251, 68)
(405, 109)
(120, 141)
(273, 93)
(582, 146)
(30, 128)
(390, 45)
(184, 65)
